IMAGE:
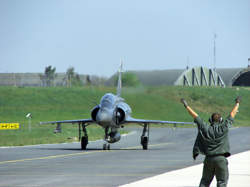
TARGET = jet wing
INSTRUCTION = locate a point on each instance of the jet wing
(68, 121)
(133, 120)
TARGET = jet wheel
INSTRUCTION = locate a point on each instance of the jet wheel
(106, 146)
(84, 142)
(145, 146)
(144, 142)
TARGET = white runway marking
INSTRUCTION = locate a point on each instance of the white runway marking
(239, 169)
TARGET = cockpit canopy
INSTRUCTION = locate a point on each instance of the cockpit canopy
(108, 101)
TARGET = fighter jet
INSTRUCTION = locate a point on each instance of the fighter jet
(112, 114)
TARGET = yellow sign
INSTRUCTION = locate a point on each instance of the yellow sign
(7, 126)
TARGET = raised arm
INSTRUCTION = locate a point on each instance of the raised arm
(189, 109)
(236, 106)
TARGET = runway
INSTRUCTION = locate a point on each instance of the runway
(65, 165)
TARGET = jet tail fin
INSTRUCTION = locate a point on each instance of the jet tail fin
(119, 84)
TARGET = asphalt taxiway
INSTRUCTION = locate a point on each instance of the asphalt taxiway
(65, 165)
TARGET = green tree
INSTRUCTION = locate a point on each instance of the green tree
(73, 79)
(49, 76)
(128, 79)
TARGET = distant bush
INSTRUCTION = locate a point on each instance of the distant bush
(128, 80)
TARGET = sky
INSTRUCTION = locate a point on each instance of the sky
(93, 36)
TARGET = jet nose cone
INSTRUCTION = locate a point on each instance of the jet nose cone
(103, 116)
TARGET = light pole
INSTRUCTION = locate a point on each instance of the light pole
(29, 116)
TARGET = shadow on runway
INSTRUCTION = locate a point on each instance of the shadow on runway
(92, 149)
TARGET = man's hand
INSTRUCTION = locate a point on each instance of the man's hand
(235, 108)
(184, 102)
(189, 109)
(238, 99)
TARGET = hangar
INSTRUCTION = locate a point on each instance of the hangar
(242, 78)
(197, 76)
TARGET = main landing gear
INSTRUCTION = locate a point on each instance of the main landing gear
(84, 138)
(145, 136)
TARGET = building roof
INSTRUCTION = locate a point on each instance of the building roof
(159, 77)
(227, 74)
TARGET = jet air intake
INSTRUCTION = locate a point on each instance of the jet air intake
(119, 115)
(94, 112)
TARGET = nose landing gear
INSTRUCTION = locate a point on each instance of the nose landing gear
(106, 146)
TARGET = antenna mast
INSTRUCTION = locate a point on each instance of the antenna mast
(215, 36)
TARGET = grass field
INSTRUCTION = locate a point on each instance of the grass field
(58, 103)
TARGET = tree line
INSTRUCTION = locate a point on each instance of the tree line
(71, 78)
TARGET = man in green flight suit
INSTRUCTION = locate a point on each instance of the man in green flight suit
(212, 141)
